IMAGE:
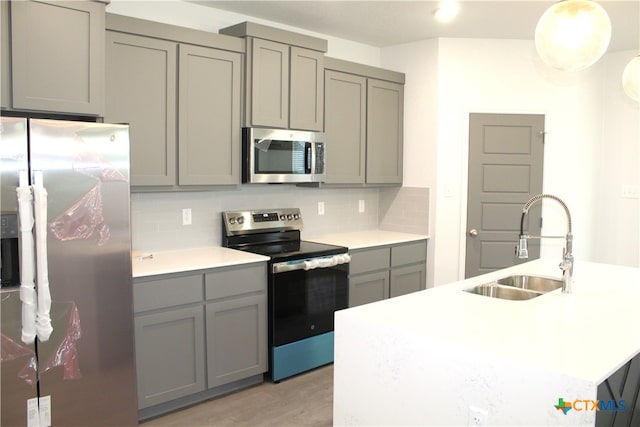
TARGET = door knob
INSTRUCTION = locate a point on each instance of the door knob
(473, 232)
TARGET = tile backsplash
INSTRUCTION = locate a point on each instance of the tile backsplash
(156, 218)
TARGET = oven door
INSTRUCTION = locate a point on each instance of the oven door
(304, 296)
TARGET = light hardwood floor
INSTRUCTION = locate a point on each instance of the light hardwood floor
(303, 400)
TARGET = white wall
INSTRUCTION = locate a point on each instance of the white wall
(209, 19)
(506, 76)
(618, 218)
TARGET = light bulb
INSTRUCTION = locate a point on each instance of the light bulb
(447, 10)
(631, 79)
(573, 34)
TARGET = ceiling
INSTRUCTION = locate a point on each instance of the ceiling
(388, 23)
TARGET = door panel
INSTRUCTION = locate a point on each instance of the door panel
(505, 170)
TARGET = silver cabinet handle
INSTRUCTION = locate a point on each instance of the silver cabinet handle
(473, 232)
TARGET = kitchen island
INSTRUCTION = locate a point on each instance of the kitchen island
(448, 357)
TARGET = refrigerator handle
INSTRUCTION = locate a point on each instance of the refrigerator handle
(43, 317)
(27, 260)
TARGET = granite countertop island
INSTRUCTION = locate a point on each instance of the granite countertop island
(441, 356)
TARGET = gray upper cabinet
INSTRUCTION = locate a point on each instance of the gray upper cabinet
(364, 108)
(345, 127)
(269, 103)
(180, 89)
(141, 91)
(385, 102)
(284, 83)
(209, 116)
(306, 89)
(56, 61)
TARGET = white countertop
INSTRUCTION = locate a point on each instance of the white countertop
(449, 350)
(365, 239)
(165, 262)
(587, 334)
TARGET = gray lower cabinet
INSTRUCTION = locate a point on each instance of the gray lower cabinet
(53, 56)
(169, 336)
(170, 355)
(181, 94)
(619, 397)
(199, 335)
(363, 124)
(385, 272)
(236, 323)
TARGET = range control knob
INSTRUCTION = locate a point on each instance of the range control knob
(289, 217)
(232, 220)
(282, 217)
(240, 220)
(296, 216)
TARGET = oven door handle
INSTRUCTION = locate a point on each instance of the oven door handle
(312, 263)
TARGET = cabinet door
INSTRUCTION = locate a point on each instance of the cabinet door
(306, 106)
(5, 56)
(57, 61)
(345, 127)
(141, 91)
(385, 102)
(269, 91)
(405, 280)
(209, 116)
(169, 355)
(368, 288)
(236, 339)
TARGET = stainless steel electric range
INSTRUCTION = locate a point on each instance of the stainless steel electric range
(307, 283)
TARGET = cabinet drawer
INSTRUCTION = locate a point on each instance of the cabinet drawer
(167, 292)
(236, 281)
(409, 253)
(369, 260)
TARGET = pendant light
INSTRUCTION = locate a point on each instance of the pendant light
(573, 34)
(631, 79)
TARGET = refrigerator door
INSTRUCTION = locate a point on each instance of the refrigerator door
(18, 360)
(87, 366)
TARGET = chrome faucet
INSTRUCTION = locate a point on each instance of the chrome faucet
(567, 257)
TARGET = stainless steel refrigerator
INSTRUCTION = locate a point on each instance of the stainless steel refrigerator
(80, 368)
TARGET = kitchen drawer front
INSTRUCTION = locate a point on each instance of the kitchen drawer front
(409, 253)
(236, 281)
(168, 292)
(369, 260)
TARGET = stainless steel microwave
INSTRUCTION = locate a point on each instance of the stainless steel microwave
(277, 156)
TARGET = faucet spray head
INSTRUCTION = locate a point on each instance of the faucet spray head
(522, 251)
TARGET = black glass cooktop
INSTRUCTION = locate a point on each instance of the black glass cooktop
(290, 250)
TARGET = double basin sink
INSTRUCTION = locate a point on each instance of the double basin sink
(519, 287)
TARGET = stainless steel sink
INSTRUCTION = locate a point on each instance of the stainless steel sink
(520, 287)
(532, 283)
(494, 290)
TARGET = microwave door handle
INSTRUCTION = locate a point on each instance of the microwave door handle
(307, 158)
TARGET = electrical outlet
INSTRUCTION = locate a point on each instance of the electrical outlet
(186, 216)
(320, 208)
(361, 206)
(478, 417)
